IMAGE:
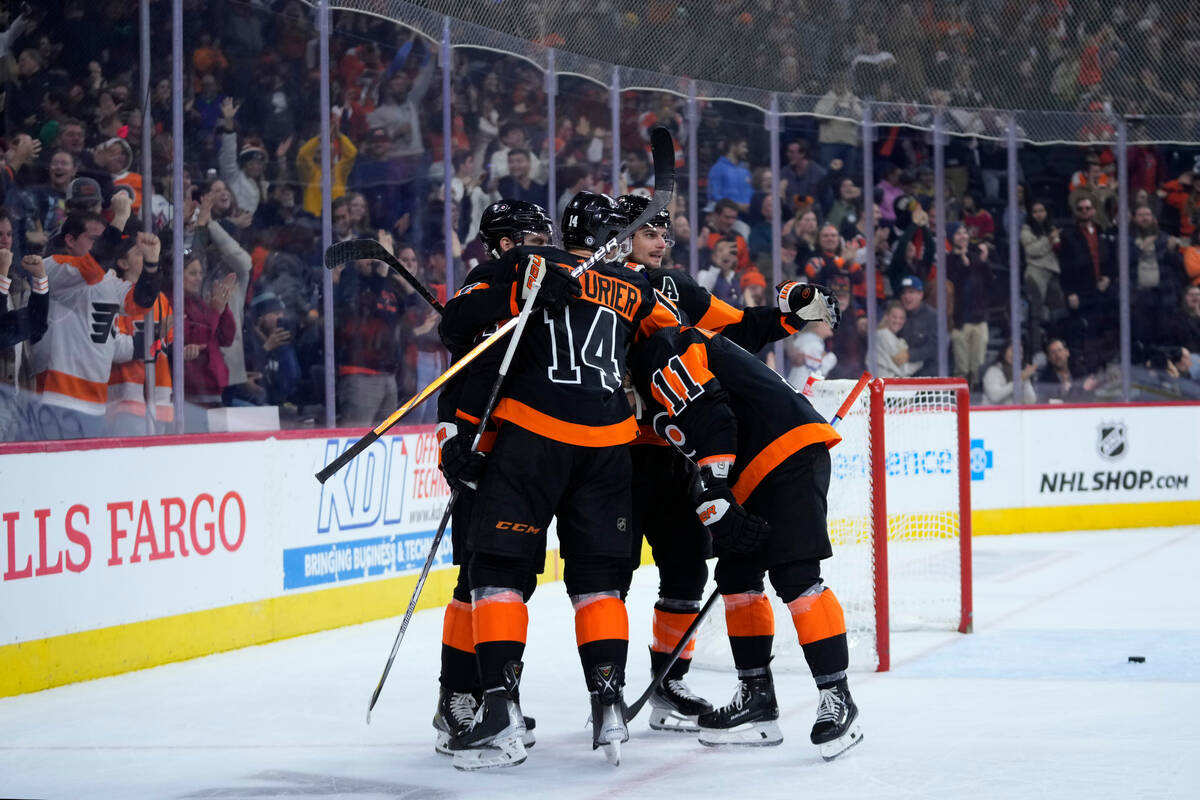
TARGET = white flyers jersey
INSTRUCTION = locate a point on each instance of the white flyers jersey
(74, 359)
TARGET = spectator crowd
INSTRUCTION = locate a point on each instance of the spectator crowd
(83, 232)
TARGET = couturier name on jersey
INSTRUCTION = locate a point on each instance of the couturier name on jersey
(618, 295)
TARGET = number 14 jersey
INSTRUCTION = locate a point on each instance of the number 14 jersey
(565, 382)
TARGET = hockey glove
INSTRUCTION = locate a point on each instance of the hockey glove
(733, 529)
(809, 302)
(461, 466)
(559, 287)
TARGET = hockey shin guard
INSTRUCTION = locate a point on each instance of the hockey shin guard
(751, 625)
(821, 629)
(500, 621)
(601, 629)
(671, 620)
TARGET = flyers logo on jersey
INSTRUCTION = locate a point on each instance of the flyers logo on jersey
(103, 315)
(517, 527)
(618, 295)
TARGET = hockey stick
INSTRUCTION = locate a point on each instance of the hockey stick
(534, 285)
(356, 249)
(632, 710)
(663, 150)
(362, 444)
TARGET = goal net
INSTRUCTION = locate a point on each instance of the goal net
(899, 520)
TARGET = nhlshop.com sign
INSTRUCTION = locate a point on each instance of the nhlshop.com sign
(1064, 456)
(1128, 480)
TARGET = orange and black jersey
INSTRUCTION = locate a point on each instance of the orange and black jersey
(479, 305)
(752, 328)
(565, 382)
(716, 402)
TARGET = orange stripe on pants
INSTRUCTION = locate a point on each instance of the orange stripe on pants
(817, 616)
(601, 618)
(457, 628)
(749, 614)
(500, 618)
(669, 627)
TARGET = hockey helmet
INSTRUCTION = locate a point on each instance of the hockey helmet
(512, 219)
(632, 206)
(590, 220)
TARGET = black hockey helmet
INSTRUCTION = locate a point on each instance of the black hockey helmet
(632, 206)
(512, 219)
(590, 220)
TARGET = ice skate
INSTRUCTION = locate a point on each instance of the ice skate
(454, 714)
(749, 720)
(495, 736)
(608, 710)
(675, 707)
(455, 711)
(837, 728)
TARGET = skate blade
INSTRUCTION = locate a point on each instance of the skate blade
(748, 734)
(672, 722)
(508, 753)
(612, 752)
(834, 748)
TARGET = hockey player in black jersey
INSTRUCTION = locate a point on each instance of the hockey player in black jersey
(663, 507)
(563, 423)
(504, 225)
(762, 451)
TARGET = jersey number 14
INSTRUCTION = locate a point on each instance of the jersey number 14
(598, 354)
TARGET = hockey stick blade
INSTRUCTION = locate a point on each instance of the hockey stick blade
(356, 249)
(636, 706)
(412, 603)
(662, 148)
(633, 709)
(362, 444)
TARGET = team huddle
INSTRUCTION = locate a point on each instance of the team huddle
(632, 408)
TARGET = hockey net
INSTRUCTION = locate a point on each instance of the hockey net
(899, 521)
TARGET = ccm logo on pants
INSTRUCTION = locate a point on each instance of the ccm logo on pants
(517, 527)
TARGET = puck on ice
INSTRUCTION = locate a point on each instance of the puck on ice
(1137, 659)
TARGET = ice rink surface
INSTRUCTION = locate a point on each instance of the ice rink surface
(1040, 701)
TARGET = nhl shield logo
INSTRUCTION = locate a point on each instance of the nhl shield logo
(621, 524)
(1114, 440)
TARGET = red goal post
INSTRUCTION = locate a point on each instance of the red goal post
(899, 519)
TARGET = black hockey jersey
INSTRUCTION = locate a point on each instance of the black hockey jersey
(716, 402)
(565, 382)
(752, 328)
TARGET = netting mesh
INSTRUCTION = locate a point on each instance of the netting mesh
(1132, 57)
(923, 554)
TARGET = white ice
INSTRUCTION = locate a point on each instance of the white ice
(1040, 701)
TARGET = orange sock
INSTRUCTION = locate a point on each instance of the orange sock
(817, 616)
(669, 627)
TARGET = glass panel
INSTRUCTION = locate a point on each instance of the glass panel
(824, 239)
(1164, 271)
(583, 139)
(1070, 260)
(388, 186)
(733, 150)
(640, 112)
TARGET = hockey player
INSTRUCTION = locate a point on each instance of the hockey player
(662, 505)
(504, 225)
(560, 452)
(764, 473)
